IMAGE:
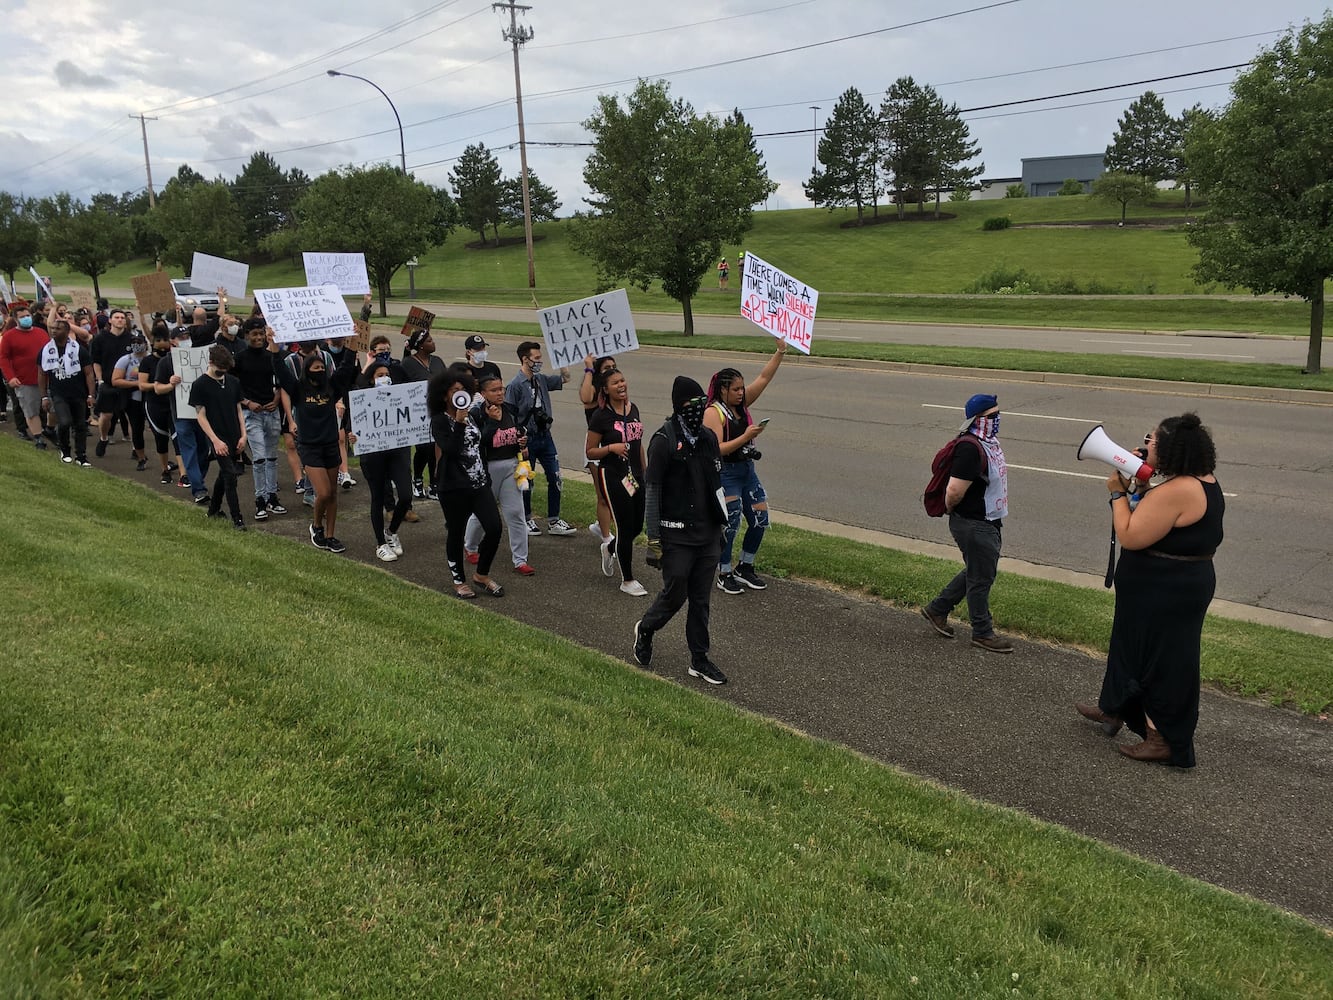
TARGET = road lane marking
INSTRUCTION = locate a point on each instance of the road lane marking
(1182, 354)
(1076, 475)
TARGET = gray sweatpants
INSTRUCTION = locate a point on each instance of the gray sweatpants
(510, 500)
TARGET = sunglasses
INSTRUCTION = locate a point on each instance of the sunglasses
(1147, 438)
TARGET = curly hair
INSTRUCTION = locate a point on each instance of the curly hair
(1184, 447)
(437, 390)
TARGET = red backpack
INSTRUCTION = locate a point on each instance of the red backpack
(940, 468)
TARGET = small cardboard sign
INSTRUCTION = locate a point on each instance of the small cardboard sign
(83, 298)
(189, 363)
(211, 273)
(417, 319)
(361, 342)
(153, 293)
(346, 270)
(588, 328)
(300, 314)
(390, 416)
(775, 301)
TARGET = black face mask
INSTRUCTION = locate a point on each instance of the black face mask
(317, 379)
(691, 414)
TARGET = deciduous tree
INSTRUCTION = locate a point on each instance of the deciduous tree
(1123, 189)
(196, 216)
(84, 238)
(375, 211)
(1267, 165)
(20, 236)
(668, 189)
(850, 153)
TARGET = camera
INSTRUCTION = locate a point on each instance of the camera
(541, 421)
(751, 452)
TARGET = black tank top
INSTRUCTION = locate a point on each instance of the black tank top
(1203, 536)
(732, 427)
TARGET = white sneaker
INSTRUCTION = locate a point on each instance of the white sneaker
(634, 588)
(386, 553)
(392, 541)
(608, 558)
(560, 526)
(595, 530)
(346, 481)
(532, 527)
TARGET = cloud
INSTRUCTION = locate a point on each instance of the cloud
(70, 76)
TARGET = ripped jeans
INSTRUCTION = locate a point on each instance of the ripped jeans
(740, 480)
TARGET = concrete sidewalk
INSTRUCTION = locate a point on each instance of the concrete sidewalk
(1254, 816)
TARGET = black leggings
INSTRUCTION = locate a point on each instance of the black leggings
(383, 471)
(134, 411)
(626, 514)
(423, 458)
(458, 506)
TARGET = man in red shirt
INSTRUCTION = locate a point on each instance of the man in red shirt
(20, 350)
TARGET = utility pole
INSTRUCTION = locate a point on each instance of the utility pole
(815, 117)
(147, 163)
(516, 36)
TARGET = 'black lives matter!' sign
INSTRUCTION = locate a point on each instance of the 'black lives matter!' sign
(588, 328)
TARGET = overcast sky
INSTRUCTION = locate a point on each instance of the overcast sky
(226, 79)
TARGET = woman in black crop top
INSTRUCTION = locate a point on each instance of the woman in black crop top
(615, 442)
(1163, 585)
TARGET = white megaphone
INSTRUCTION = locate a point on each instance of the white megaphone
(1097, 445)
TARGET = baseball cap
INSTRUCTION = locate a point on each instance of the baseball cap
(474, 343)
(976, 406)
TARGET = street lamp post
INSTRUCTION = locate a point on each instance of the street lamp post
(402, 155)
(815, 131)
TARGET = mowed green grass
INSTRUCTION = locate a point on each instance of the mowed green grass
(944, 257)
(234, 767)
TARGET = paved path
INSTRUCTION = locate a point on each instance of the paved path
(1253, 817)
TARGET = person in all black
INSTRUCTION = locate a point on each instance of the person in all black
(65, 378)
(157, 409)
(464, 485)
(107, 348)
(314, 395)
(685, 515)
(216, 398)
(385, 470)
(421, 365)
(615, 442)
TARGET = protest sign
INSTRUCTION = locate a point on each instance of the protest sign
(153, 293)
(42, 285)
(305, 313)
(211, 273)
(591, 327)
(778, 303)
(189, 363)
(361, 342)
(82, 298)
(346, 270)
(390, 416)
(417, 319)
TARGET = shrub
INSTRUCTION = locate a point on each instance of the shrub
(996, 222)
(1016, 191)
(1071, 186)
(961, 194)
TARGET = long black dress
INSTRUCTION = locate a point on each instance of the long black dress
(1152, 667)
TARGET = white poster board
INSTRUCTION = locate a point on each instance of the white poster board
(189, 363)
(591, 327)
(390, 416)
(346, 270)
(298, 314)
(778, 303)
(42, 285)
(211, 273)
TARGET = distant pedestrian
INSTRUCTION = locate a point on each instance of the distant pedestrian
(723, 273)
(977, 501)
(684, 518)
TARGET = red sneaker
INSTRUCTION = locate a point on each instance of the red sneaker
(523, 569)
(471, 557)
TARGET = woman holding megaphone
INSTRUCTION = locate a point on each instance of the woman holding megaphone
(1163, 584)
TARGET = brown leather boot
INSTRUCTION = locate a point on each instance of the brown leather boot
(1109, 724)
(1153, 749)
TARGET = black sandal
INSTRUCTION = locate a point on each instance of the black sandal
(492, 588)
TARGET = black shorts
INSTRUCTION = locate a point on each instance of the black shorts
(319, 456)
(110, 399)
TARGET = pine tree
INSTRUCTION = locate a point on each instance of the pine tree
(849, 151)
(1143, 140)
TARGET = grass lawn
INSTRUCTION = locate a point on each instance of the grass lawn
(231, 770)
(858, 270)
